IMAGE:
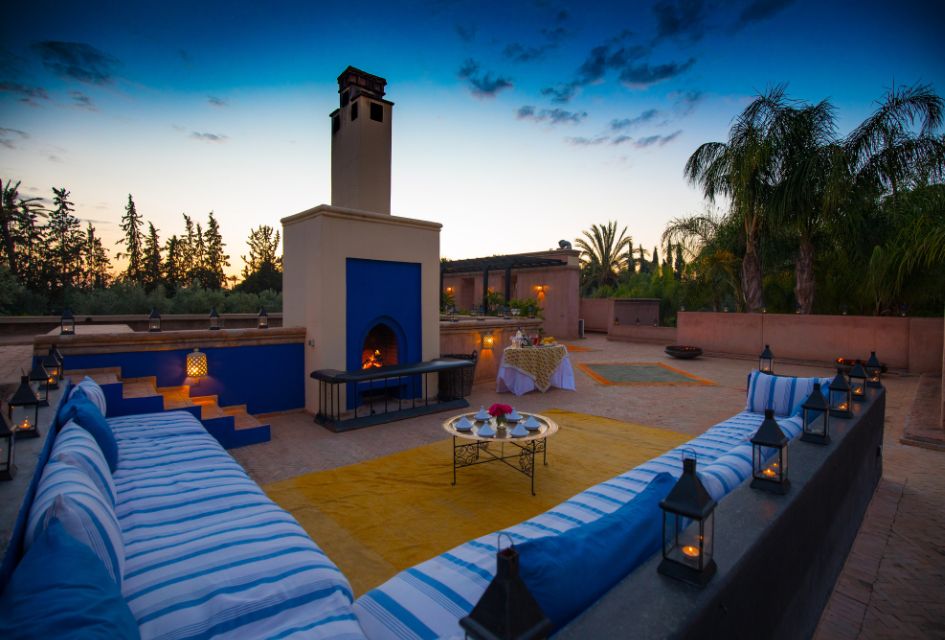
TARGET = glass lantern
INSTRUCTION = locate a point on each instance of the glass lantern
(841, 400)
(39, 377)
(816, 417)
(858, 382)
(25, 397)
(215, 323)
(766, 361)
(57, 354)
(67, 323)
(196, 365)
(688, 529)
(874, 371)
(154, 321)
(7, 444)
(53, 368)
(769, 457)
(262, 320)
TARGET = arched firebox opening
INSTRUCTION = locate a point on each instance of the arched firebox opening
(380, 347)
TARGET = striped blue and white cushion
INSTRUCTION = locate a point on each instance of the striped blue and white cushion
(427, 600)
(76, 446)
(85, 513)
(94, 393)
(783, 394)
(208, 553)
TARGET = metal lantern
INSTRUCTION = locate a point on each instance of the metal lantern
(57, 354)
(769, 457)
(874, 371)
(154, 321)
(215, 323)
(7, 445)
(67, 323)
(196, 364)
(25, 397)
(688, 529)
(766, 361)
(53, 368)
(816, 417)
(507, 609)
(841, 401)
(858, 382)
(262, 321)
(488, 340)
(40, 377)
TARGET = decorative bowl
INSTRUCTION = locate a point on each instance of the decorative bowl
(683, 351)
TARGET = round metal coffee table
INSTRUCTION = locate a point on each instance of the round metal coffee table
(469, 448)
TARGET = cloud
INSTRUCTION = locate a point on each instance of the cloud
(644, 75)
(466, 33)
(553, 37)
(680, 18)
(684, 102)
(82, 101)
(216, 102)
(658, 140)
(581, 141)
(759, 10)
(9, 137)
(552, 116)
(521, 53)
(77, 61)
(209, 137)
(94, 221)
(482, 85)
(609, 56)
(27, 94)
(560, 94)
(54, 158)
(620, 140)
(628, 123)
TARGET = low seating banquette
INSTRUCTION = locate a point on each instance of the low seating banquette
(185, 545)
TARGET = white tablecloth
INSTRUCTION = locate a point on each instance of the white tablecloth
(520, 383)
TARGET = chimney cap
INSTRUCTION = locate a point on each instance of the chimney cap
(362, 82)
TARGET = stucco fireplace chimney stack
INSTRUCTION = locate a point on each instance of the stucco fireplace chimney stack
(361, 143)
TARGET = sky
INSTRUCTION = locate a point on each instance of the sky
(516, 124)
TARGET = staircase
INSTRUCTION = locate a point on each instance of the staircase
(232, 425)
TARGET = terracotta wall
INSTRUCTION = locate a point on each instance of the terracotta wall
(913, 344)
(642, 333)
(597, 313)
(38, 325)
(465, 337)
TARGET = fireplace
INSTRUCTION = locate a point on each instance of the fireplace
(380, 347)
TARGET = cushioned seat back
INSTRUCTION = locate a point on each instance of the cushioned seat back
(782, 394)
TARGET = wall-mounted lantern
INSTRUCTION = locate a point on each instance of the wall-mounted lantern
(7, 445)
(874, 371)
(488, 340)
(840, 398)
(769, 456)
(262, 320)
(215, 322)
(816, 417)
(688, 529)
(766, 361)
(67, 323)
(39, 377)
(196, 364)
(858, 382)
(154, 321)
(25, 397)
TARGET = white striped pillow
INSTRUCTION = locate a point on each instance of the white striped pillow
(94, 393)
(84, 512)
(783, 394)
(76, 446)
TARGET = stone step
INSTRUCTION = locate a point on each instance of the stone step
(103, 375)
(138, 390)
(245, 421)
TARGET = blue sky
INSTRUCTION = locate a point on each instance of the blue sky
(516, 123)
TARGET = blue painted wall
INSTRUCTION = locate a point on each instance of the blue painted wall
(265, 378)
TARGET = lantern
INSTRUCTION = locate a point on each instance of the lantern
(816, 417)
(40, 377)
(507, 609)
(874, 371)
(154, 321)
(766, 361)
(53, 369)
(688, 529)
(840, 399)
(7, 444)
(196, 364)
(67, 323)
(262, 321)
(215, 323)
(858, 382)
(25, 397)
(57, 354)
(769, 457)
(488, 340)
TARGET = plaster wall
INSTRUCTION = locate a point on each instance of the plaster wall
(597, 313)
(361, 156)
(643, 333)
(317, 244)
(465, 336)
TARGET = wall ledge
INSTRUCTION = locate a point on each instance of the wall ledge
(168, 340)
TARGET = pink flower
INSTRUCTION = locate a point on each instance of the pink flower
(499, 410)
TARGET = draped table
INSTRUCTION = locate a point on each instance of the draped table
(525, 369)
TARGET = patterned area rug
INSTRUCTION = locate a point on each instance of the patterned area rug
(640, 373)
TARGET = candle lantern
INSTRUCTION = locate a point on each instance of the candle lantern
(215, 323)
(197, 364)
(7, 444)
(858, 382)
(874, 371)
(262, 321)
(769, 456)
(154, 321)
(766, 361)
(816, 418)
(40, 377)
(57, 354)
(688, 529)
(25, 397)
(507, 609)
(67, 323)
(53, 370)
(488, 340)
(841, 402)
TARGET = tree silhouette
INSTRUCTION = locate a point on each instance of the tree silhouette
(151, 260)
(133, 242)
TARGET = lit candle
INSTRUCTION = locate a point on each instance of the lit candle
(690, 551)
(25, 424)
(843, 406)
(769, 473)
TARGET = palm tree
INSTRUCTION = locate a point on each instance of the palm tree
(603, 254)
(706, 240)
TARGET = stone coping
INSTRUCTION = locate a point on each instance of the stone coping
(129, 317)
(169, 340)
(343, 213)
(468, 324)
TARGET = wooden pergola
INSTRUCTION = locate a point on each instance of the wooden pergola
(496, 263)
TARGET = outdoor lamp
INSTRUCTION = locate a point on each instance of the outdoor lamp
(262, 320)
(25, 397)
(816, 417)
(874, 371)
(488, 340)
(67, 323)
(766, 361)
(858, 382)
(40, 377)
(154, 321)
(53, 367)
(214, 319)
(507, 609)
(688, 529)
(840, 397)
(769, 457)
(196, 364)
(7, 444)
(59, 359)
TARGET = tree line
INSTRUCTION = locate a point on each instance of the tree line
(801, 219)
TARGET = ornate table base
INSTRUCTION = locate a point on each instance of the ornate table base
(466, 454)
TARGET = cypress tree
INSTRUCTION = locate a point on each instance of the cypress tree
(133, 241)
(65, 240)
(151, 260)
(96, 260)
(215, 261)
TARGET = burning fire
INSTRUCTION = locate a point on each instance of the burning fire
(374, 360)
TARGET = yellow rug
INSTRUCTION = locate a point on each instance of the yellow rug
(378, 517)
